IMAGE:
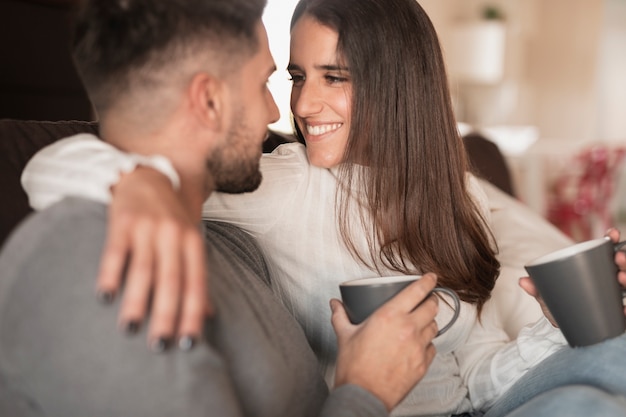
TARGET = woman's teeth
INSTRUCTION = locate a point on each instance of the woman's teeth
(321, 129)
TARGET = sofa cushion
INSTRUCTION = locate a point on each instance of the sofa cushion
(19, 141)
(522, 236)
(488, 162)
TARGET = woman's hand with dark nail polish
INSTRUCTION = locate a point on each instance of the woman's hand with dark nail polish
(105, 297)
(160, 344)
(132, 327)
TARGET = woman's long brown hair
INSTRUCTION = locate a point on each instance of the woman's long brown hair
(403, 128)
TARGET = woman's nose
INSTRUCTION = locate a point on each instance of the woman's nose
(306, 99)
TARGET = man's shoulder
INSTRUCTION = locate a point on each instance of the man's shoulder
(57, 338)
(65, 216)
(72, 229)
(237, 246)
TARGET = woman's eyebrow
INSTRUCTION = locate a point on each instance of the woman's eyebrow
(332, 68)
(328, 67)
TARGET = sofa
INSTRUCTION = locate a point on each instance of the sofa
(521, 234)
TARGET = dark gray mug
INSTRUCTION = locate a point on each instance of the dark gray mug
(579, 286)
(362, 296)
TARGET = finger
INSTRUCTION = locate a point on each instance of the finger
(139, 278)
(340, 321)
(621, 277)
(195, 297)
(620, 260)
(613, 233)
(430, 353)
(423, 317)
(429, 306)
(431, 330)
(529, 286)
(427, 335)
(167, 290)
(116, 250)
(413, 294)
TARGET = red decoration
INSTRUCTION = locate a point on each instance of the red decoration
(579, 199)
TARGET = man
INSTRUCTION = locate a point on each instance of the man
(183, 81)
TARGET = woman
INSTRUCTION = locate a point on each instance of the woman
(380, 188)
(374, 192)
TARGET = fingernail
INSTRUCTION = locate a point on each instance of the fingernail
(160, 344)
(186, 343)
(132, 327)
(105, 297)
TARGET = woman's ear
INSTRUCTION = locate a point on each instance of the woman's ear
(207, 100)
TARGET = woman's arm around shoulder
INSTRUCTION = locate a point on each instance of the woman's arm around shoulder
(83, 166)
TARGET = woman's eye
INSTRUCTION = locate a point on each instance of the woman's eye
(334, 79)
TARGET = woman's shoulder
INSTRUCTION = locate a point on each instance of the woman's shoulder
(286, 161)
(293, 151)
(290, 159)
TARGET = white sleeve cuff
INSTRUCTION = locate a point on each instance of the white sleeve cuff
(538, 341)
(157, 162)
(83, 166)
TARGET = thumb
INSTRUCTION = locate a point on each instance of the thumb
(527, 285)
(339, 319)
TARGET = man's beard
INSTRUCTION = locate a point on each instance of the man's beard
(231, 172)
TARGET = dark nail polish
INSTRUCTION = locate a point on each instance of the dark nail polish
(160, 344)
(105, 297)
(132, 327)
(186, 343)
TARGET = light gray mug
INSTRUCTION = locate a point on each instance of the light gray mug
(579, 286)
(362, 296)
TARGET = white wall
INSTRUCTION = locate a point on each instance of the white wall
(277, 18)
(562, 64)
(564, 69)
(611, 122)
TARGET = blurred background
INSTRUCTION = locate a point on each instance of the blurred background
(545, 81)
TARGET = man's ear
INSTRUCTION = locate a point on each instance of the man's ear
(208, 100)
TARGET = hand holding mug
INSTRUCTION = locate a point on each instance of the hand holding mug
(391, 351)
(580, 290)
(620, 258)
(527, 285)
(361, 297)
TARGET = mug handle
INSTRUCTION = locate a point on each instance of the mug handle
(457, 307)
